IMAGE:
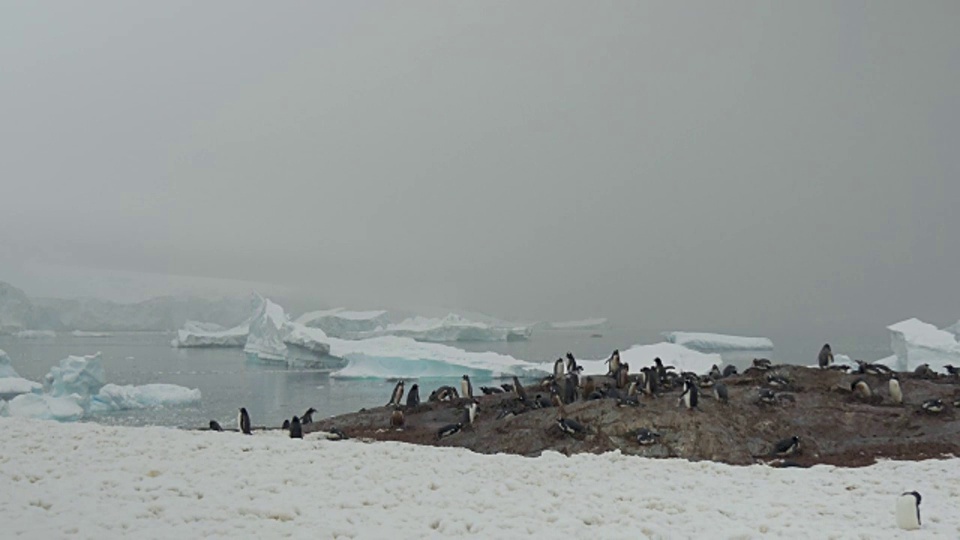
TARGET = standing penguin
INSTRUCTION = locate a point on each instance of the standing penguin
(720, 392)
(690, 396)
(466, 389)
(307, 417)
(623, 375)
(286, 425)
(861, 389)
(908, 511)
(895, 392)
(396, 419)
(613, 363)
(243, 421)
(471, 413)
(572, 364)
(558, 369)
(826, 356)
(215, 426)
(413, 398)
(521, 393)
(296, 431)
(397, 396)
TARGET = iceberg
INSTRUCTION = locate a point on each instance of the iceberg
(81, 375)
(36, 334)
(11, 387)
(584, 323)
(705, 342)
(113, 397)
(400, 357)
(197, 334)
(47, 407)
(915, 342)
(954, 329)
(671, 354)
(265, 340)
(451, 328)
(81, 333)
(341, 323)
(6, 369)
(314, 340)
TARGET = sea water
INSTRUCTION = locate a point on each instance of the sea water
(228, 379)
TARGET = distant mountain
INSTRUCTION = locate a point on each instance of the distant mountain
(19, 312)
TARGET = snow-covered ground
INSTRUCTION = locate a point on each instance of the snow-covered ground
(166, 483)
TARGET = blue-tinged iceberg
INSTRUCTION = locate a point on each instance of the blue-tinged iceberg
(11, 387)
(341, 323)
(113, 397)
(274, 338)
(915, 342)
(198, 334)
(47, 407)
(706, 342)
(81, 375)
(399, 357)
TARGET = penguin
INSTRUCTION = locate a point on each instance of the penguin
(613, 363)
(286, 425)
(243, 422)
(572, 366)
(952, 370)
(541, 402)
(777, 381)
(448, 430)
(396, 419)
(296, 431)
(720, 392)
(336, 435)
(559, 369)
(588, 387)
(690, 396)
(521, 394)
(895, 392)
(507, 387)
(570, 388)
(489, 390)
(786, 447)
(215, 426)
(397, 396)
(472, 412)
(923, 371)
(767, 396)
(466, 389)
(623, 375)
(908, 511)
(307, 417)
(413, 397)
(826, 356)
(632, 389)
(932, 406)
(570, 427)
(653, 382)
(861, 389)
(762, 364)
(705, 381)
(729, 371)
(645, 437)
(628, 401)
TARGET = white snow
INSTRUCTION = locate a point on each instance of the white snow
(394, 357)
(954, 329)
(584, 323)
(6, 369)
(452, 328)
(167, 483)
(36, 334)
(342, 323)
(81, 333)
(197, 334)
(639, 356)
(915, 342)
(13, 386)
(81, 375)
(706, 342)
(114, 397)
(47, 407)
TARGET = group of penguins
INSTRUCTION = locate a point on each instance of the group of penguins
(293, 426)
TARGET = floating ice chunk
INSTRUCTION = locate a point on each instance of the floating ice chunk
(81, 333)
(342, 323)
(265, 340)
(47, 407)
(671, 354)
(705, 342)
(36, 334)
(6, 369)
(114, 397)
(14, 386)
(915, 342)
(399, 357)
(452, 328)
(197, 334)
(314, 340)
(585, 323)
(81, 375)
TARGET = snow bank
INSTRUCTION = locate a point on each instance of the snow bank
(6, 369)
(671, 354)
(915, 342)
(452, 328)
(81, 333)
(166, 483)
(81, 375)
(36, 334)
(341, 323)
(114, 397)
(584, 323)
(14, 386)
(47, 407)
(197, 334)
(399, 357)
(705, 342)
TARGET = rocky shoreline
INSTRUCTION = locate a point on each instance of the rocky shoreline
(835, 426)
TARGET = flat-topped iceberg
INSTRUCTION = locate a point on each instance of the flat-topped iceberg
(36, 334)
(82, 375)
(113, 397)
(915, 342)
(198, 334)
(84, 334)
(452, 328)
(399, 357)
(6, 369)
(706, 342)
(342, 323)
(11, 387)
(639, 356)
(47, 407)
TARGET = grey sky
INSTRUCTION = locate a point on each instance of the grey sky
(729, 166)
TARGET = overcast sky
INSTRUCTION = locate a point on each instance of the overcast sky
(721, 165)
